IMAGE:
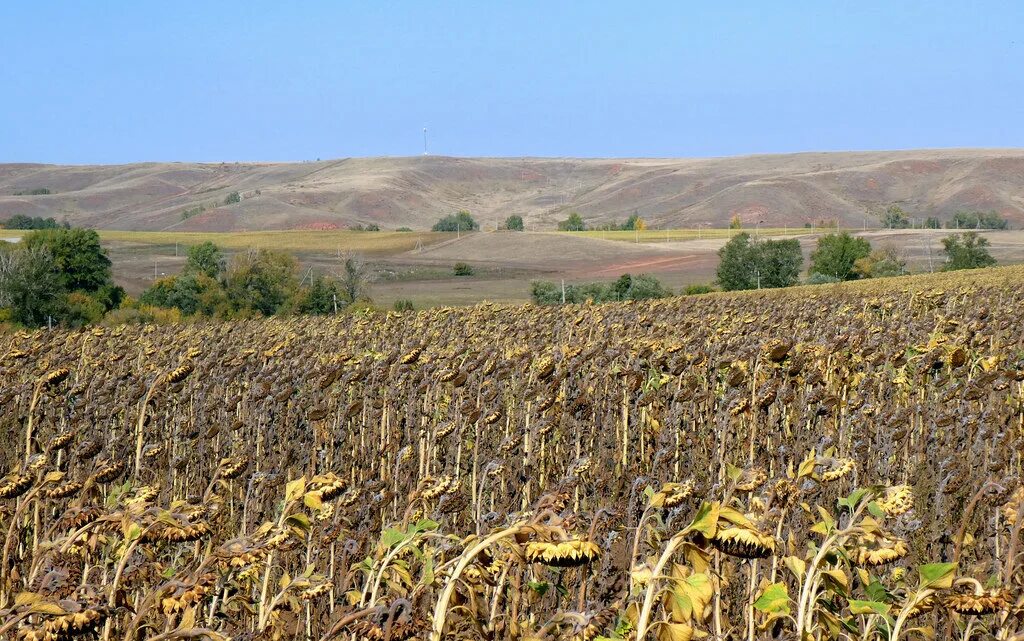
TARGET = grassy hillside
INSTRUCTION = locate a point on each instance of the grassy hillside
(776, 190)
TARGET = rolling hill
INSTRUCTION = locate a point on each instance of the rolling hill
(787, 189)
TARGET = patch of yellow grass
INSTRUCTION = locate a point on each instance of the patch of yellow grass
(371, 243)
(671, 235)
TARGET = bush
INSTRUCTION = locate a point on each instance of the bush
(403, 229)
(462, 269)
(370, 227)
(895, 218)
(966, 251)
(836, 255)
(817, 278)
(627, 287)
(403, 305)
(323, 296)
(460, 221)
(514, 223)
(744, 264)
(35, 191)
(232, 198)
(573, 223)
(692, 290)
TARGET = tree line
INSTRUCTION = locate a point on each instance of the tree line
(63, 277)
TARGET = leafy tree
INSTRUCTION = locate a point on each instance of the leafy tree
(205, 258)
(735, 222)
(757, 265)
(573, 223)
(260, 281)
(634, 223)
(627, 287)
(977, 220)
(895, 218)
(232, 198)
(323, 296)
(836, 255)
(966, 251)
(459, 221)
(20, 221)
(880, 263)
(81, 310)
(932, 223)
(737, 264)
(192, 293)
(355, 278)
(77, 256)
(514, 223)
(30, 286)
(779, 263)
(463, 269)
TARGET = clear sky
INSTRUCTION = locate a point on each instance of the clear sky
(111, 81)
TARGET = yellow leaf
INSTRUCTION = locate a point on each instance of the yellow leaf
(675, 632)
(294, 489)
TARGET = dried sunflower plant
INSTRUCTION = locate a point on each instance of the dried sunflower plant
(793, 465)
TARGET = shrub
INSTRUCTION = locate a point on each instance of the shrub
(573, 223)
(232, 198)
(404, 229)
(692, 290)
(403, 305)
(460, 221)
(514, 223)
(462, 269)
(817, 278)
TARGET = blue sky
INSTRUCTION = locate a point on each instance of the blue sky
(118, 81)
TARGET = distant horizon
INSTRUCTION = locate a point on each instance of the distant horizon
(493, 157)
(190, 81)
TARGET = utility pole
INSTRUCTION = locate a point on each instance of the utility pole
(335, 296)
(424, 141)
(563, 291)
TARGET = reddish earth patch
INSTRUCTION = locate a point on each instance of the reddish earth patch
(661, 264)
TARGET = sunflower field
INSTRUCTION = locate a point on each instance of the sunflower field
(835, 462)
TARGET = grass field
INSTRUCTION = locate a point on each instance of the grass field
(370, 243)
(673, 235)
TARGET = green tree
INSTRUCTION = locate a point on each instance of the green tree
(30, 286)
(966, 251)
(737, 264)
(932, 223)
(881, 263)
(977, 220)
(459, 221)
(463, 269)
(355, 278)
(573, 223)
(779, 263)
(205, 258)
(77, 257)
(192, 293)
(260, 281)
(744, 264)
(836, 255)
(232, 198)
(323, 296)
(514, 223)
(895, 218)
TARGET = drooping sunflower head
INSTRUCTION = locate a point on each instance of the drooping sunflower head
(979, 601)
(751, 479)
(672, 494)
(14, 485)
(563, 554)
(834, 469)
(878, 549)
(896, 500)
(743, 541)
